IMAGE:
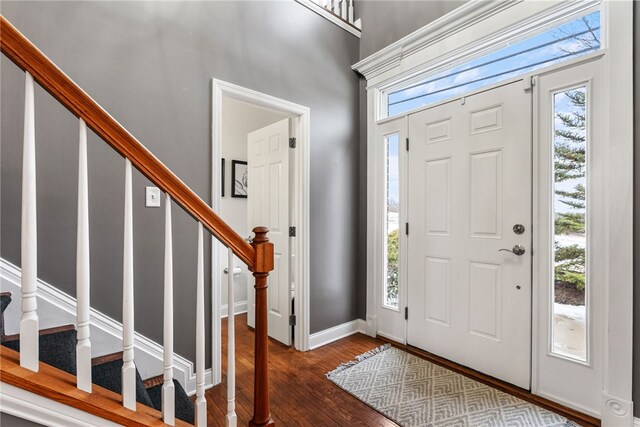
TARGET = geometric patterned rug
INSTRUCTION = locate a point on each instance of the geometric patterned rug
(414, 392)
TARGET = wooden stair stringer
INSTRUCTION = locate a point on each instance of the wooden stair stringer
(60, 386)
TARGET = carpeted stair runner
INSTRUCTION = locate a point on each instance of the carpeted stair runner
(109, 376)
(184, 406)
(5, 299)
(58, 349)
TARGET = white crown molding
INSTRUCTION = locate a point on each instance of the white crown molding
(451, 23)
(35, 408)
(337, 332)
(56, 307)
(329, 16)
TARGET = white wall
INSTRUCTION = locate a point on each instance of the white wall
(238, 119)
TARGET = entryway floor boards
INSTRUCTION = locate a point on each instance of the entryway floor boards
(469, 207)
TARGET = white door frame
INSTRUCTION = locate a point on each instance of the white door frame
(299, 174)
(466, 32)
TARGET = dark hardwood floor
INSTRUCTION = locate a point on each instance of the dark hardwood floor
(300, 394)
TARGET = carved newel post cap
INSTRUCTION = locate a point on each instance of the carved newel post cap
(261, 235)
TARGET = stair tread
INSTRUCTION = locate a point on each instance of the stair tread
(153, 381)
(99, 360)
(43, 332)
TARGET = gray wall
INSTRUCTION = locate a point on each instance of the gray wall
(386, 21)
(636, 214)
(7, 420)
(150, 65)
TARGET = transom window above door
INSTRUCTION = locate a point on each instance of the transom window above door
(571, 39)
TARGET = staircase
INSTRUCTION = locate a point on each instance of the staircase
(58, 349)
(57, 363)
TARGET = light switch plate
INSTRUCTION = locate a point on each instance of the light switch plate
(152, 197)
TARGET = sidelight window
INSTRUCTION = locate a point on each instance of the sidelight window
(392, 232)
(570, 204)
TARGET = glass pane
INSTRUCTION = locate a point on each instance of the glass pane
(566, 41)
(393, 219)
(569, 207)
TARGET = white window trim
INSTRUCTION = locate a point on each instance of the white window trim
(464, 33)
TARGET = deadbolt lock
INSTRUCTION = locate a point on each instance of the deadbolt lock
(518, 228)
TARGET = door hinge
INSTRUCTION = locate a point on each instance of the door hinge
(406, 228)
(406, 313)
(407, 141)
(292, 320)
(292, 142)
(292, 232)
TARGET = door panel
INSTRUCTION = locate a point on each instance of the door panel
(469, 183)
(268, 205)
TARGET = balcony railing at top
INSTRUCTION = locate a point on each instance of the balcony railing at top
(340, 12)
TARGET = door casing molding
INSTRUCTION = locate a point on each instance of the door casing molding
(300, 119)
(466, 39)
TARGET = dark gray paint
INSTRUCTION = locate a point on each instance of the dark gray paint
(150, 65)
(385, 21)
(7, 420)
(636, 211)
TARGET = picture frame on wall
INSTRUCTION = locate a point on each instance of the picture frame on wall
(239, 179)
(222, 175)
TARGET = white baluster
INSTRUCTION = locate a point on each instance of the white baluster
(128, 366)
(29, 343)
(351, 12)
(335, 8)
(83, 277)
(201, 403)
(343, 9)
(168, 390)
(232, 419)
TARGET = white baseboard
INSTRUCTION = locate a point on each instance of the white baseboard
(239, 308)
(56, 308)
(35, 408)
(337, 332)
(636, 422)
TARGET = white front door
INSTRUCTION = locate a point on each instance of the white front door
(469, 206)
(268, 205)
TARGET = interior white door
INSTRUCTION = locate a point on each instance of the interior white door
(469, 185)
(268, 205)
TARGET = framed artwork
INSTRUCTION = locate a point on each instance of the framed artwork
(239, 179)
(222, 180)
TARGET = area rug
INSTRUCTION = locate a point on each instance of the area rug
(414, 392)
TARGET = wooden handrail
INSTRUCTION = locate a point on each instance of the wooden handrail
(29, 58)
(258, 256)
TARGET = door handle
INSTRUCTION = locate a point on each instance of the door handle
(249, 239)
(517, 250)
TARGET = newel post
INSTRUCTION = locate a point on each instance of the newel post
(263, 265)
